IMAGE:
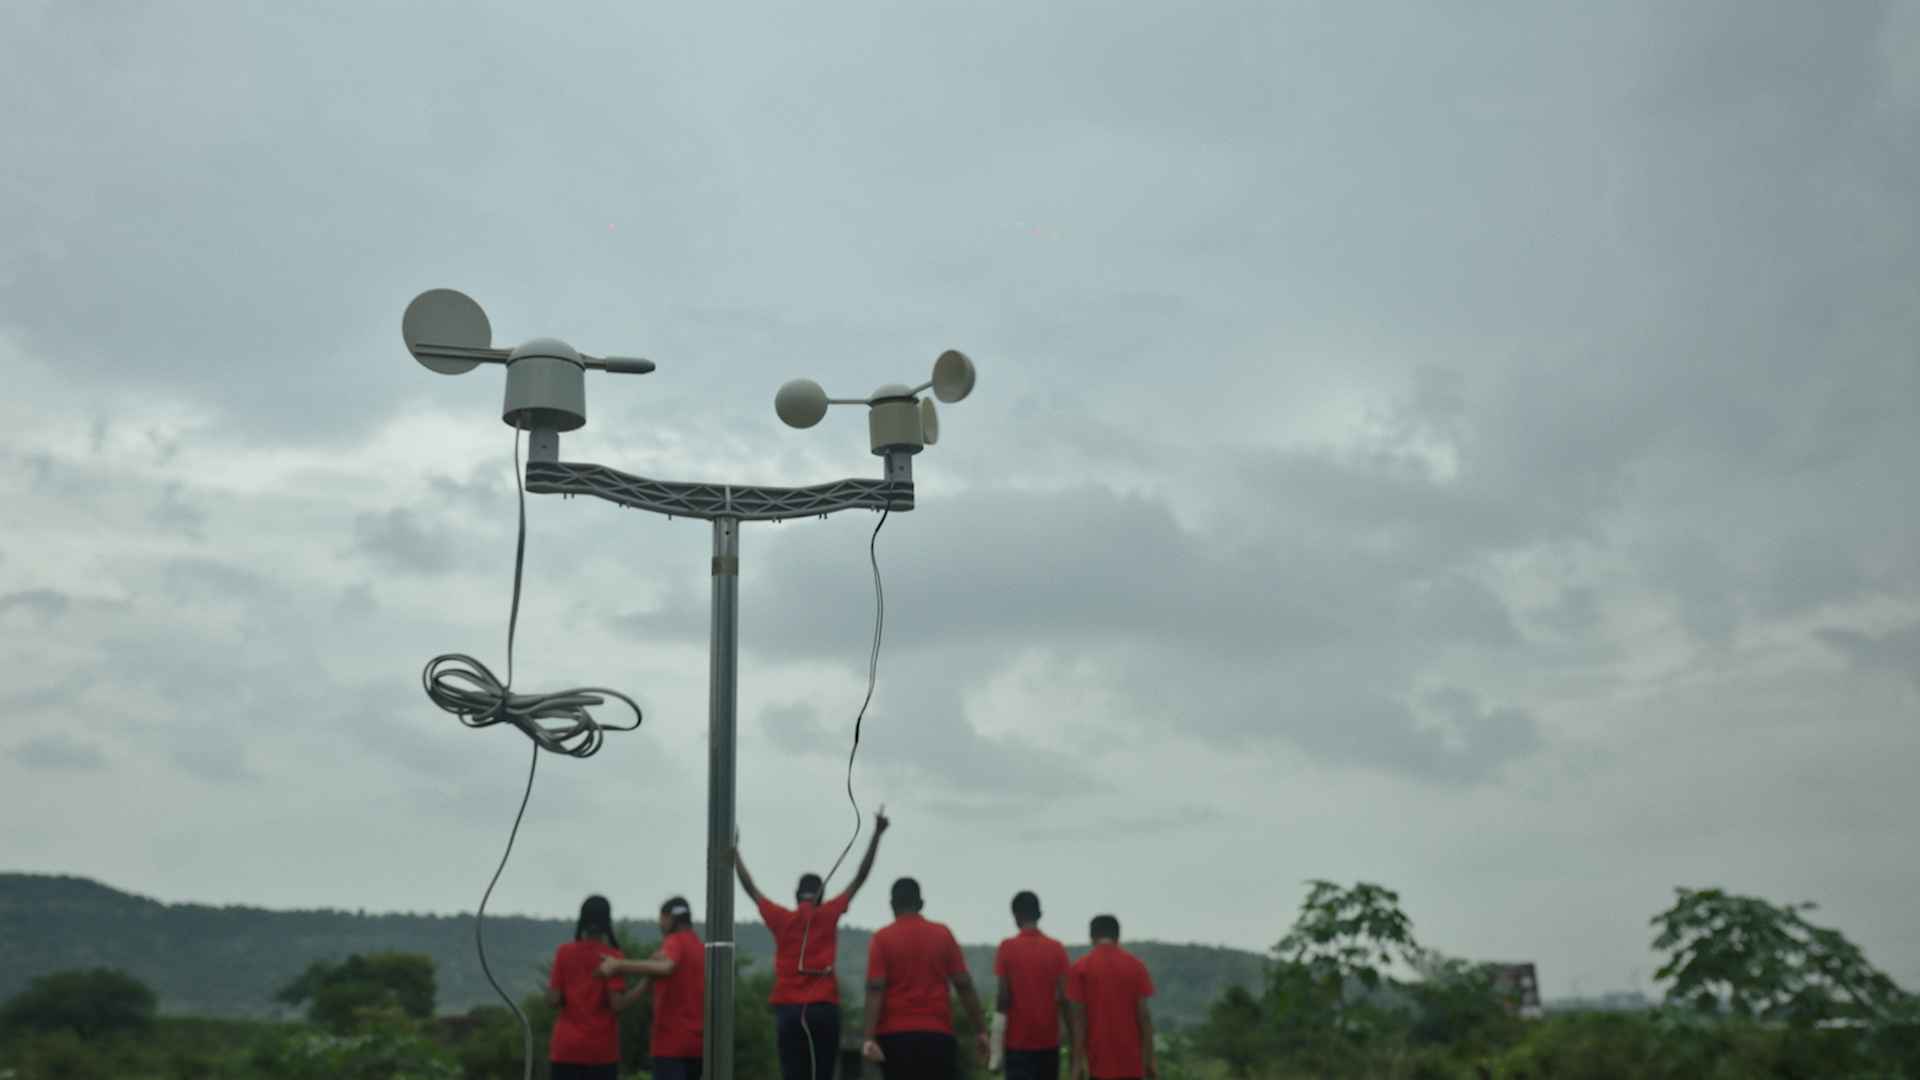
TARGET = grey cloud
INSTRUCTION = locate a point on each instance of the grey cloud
(59, 753)
(918, 725)
(1814, 572)
(400, 539)
(1896, 651)
(64, 694)
(1469, 744)
(174, 513)
(1575, 611)
(47, 604)
(1176, 819)
(1704, 586)
(1462, 611)
(947, 751)
(214, 756)
(979, 578)
(795, 728)
(197, 579)
(1001, 567)
(356, 602)
(484, 488)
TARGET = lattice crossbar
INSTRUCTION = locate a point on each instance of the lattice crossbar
(716, 500)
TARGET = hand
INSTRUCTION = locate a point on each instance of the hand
(880, 820)
(607, 967)
(984, 1043)
(871, 1051)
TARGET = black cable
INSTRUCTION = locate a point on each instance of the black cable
(480, 916)
(558, 723)
(873, 671)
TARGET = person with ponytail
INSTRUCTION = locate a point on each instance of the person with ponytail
(586, 1032)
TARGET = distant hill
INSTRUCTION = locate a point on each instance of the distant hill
(228, 961)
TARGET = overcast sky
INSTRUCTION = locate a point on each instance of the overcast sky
(1468, 448)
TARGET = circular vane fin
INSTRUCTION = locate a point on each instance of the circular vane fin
(445, 317)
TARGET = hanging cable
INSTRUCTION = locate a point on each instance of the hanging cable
(559, 723)
(873, 672)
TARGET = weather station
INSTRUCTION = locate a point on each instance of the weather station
(447, 332)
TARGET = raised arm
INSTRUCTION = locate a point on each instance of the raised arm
(746, 879)
(880, 823)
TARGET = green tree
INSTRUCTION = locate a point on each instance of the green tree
(92, 1003)
(1459, 1005)
(1350, 933)
(340, 997)
(1766, 961)
(1235, 1032)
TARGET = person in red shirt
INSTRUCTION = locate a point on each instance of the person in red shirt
(586, 1034)
(1107, 992)
(806, 997)
(909, 1023)
(1030, 969)
(678, 973)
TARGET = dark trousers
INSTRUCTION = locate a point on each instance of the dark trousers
(1033, 1064)
(799, 1059)
(917, 1055)
(562, 1070)
(665, 1068)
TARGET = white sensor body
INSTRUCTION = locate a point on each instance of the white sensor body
(893, 420)
(546, 387)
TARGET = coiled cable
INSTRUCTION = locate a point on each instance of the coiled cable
(558, 723)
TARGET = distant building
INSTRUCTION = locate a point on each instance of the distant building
(1519, 986)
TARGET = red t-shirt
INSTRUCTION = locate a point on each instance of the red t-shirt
(585, 1032)
(1110, 982)
(916, 957)
(789, 927)
(680, 999)
(1031, 964)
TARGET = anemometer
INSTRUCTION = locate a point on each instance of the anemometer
(447, 332)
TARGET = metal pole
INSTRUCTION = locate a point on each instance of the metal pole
(720, 798)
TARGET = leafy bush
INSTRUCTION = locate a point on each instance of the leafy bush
(88, 1003)
(337, 994)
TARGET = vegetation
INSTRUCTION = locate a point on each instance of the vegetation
(1753, 990)
(231, 962)
(337, 996)
(87, 1003)
(1756, 991)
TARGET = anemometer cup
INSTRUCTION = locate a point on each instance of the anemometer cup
(546, 387)
(899, 420)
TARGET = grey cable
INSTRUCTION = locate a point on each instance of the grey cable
(558, 723)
